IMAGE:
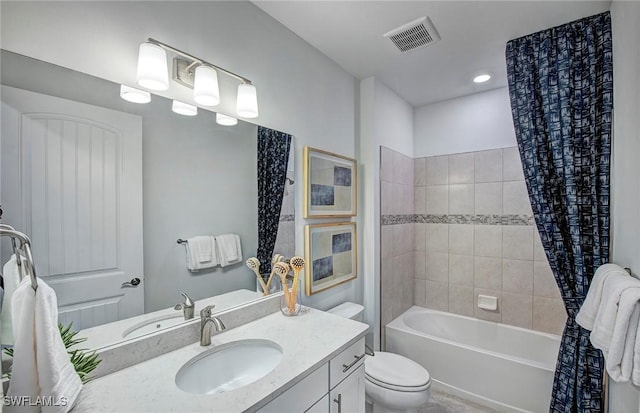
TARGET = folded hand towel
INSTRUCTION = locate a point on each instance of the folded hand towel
(614, 286)
(11, 282)
(41, 364)
(619, 360)
(201, 253)
(587, 314)
(229, 249)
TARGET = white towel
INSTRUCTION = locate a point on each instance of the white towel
(229, 249)
(41, 364)
(11, 282)
(587, 314)
(619, 359)
(614, 286)
(201, 253)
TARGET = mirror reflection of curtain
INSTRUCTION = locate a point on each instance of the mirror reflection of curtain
(273, 155)
(561, 87)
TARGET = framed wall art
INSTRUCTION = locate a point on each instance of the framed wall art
(331, 255)
(330, 184)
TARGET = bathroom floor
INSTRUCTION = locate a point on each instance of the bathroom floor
(441, 402)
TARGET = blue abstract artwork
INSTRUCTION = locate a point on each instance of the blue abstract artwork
(322, 268)
(341, 176)
(341, 243)
(322, 195)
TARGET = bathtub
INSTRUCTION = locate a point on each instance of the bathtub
(507, 368)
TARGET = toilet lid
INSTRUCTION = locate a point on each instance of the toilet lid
(396, 372)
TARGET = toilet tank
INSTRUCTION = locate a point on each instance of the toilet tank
(348, 310)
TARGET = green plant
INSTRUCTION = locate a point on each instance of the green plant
(83, 360)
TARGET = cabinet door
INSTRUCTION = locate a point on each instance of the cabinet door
(302, 395)
(348, 396)
(322, 406)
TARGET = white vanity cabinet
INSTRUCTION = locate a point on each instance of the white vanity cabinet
(336, 387)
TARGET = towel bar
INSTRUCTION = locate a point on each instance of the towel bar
(25, 246)
(181, 241)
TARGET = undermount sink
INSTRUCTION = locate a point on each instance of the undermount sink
(154, 324)
(229, 366)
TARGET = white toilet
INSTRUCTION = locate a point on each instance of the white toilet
(394, 383)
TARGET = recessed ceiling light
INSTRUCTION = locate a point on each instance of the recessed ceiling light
(481, 78)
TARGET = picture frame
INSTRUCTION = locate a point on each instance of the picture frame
(330, 184)
(331, 254)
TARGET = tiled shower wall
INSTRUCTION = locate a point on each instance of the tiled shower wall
(473, 234)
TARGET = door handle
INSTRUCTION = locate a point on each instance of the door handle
(339, 401)
(133, 283)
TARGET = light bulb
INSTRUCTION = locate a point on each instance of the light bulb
(152, 67)
(247, 104)
(205, 86)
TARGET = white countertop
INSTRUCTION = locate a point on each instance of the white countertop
(308, 341)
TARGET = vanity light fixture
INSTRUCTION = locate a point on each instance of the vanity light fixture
(201, 76)
(134, 95)
(152, 67)
(481, 78)
(225, 120)
(182, 108)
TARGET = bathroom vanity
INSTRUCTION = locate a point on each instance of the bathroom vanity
(320, 370)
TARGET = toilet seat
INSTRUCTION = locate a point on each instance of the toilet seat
(396, 372)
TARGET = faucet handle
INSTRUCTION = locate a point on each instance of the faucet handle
(206, 311)
(187, 300)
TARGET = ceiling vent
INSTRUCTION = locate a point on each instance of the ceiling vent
(419, 33)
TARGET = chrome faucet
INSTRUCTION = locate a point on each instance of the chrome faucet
(207, 323)
(187, 307)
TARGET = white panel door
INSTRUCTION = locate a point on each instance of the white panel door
(72, 181)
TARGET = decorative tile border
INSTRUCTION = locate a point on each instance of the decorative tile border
(457, 219)
(287, 217)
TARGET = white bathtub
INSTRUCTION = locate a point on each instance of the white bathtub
(507, 368)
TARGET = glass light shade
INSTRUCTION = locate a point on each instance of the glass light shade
(152, 67)
(184, 108)
(247, 104)
(225, 120)
(134, 95)
(481, 78)
(205, 86)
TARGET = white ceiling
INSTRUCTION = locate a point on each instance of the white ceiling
(474, 35)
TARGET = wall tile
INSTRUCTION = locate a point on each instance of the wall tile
(461, 200)
(420, 265)
(461, 239)
(419, 171)
(488, 198)
(517, 276)
(407, 200)
(517, 242)
(461, 269)
(487, 273)
(386, 164)
(461, 300)
(461, 168)
(437, 168)
(397, 199)
(538, 250)
(398, 163)
(386, 241)
(488, 166)
(437, 295)
(483, 314)
(419, 200)
(544, 284)
(437, 236)
(549, 315)
(437, 266)
(419, 237)
(511, 165)
(437, 199)
(517, 309)
(407, 171)
(487, 240)
(515, 199)
(420, 292)
(386, 197)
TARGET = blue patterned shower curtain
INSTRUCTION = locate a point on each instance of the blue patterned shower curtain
(273, 157)
(561, 88)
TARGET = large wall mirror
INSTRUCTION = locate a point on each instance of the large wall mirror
(105, 188)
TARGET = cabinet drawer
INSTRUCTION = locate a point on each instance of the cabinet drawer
(345, 363)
